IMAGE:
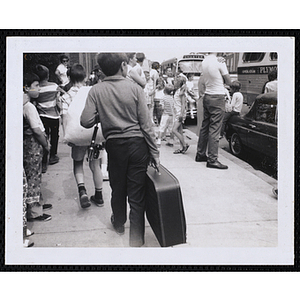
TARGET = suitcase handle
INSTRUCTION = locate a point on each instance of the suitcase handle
(155, 168)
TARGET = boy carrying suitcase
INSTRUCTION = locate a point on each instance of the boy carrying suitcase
(121, 108)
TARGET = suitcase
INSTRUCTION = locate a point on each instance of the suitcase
(164, 207)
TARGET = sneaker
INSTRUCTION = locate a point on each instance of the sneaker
(27, 243)
(47, 206)
(98, 202)
(29, 233)
(43, 218)
(185, 148)
(120, 229)
(84, 199)
(53, 160)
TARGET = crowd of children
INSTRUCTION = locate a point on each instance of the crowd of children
(46, 103)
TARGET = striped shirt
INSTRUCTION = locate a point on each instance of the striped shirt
(168, 103)
(67, 98)
(46, 103)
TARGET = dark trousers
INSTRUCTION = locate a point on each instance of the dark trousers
(213, 113)
(128, 159)
(227, 116)
(52, 131)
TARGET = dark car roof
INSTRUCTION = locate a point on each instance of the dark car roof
(270, 98)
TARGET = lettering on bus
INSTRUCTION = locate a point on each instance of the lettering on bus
(257, 70)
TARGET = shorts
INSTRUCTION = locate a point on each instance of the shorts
(177, 116)
(78, 152)
(166, 122)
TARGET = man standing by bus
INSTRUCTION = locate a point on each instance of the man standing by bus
(214, 74)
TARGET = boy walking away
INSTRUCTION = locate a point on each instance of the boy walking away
(47, 106)
(34, 143)
(236, 105)
(120, 106)
(79, 92)
(167, 116)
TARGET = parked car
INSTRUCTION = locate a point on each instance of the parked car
(257, 129)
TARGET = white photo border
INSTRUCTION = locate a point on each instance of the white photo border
(16, 254)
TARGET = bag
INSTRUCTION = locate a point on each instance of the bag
(74, 133)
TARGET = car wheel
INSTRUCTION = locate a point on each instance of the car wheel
(235, 144)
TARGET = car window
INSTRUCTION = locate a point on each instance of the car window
(266, 113)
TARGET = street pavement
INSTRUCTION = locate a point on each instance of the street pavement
(223, 208)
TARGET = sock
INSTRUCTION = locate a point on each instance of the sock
(98, 193)
(81, 187)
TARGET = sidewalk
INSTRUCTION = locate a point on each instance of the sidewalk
(223, 208)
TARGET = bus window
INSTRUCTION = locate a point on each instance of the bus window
(253, 56)
(273, 55)
(190, 66)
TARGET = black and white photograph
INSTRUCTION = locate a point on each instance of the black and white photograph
(150, 150)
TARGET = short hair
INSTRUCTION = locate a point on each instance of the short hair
(29, 78)
(155, 65)
(236, 85)
(62, 57)
(77, 73)
(110, 63)
(130, 56)
(42, 72)
(190, 75)
(140, 57)
(272, 75)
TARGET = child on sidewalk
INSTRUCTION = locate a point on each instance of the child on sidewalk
(167, 115)
(158, 96)
(130, 142)
(180, 112)
(35, 143)
(47, 107)
(148, 90)
(190, 95)
(77, 76)
(235, 107)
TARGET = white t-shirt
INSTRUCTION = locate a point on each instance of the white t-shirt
(213, 72)
(63, 74)
(31, 115)
(237, 102)
(153, 76)
(129, 68)
(139, 70)
(271, 86)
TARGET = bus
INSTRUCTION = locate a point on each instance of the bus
(253, 69)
